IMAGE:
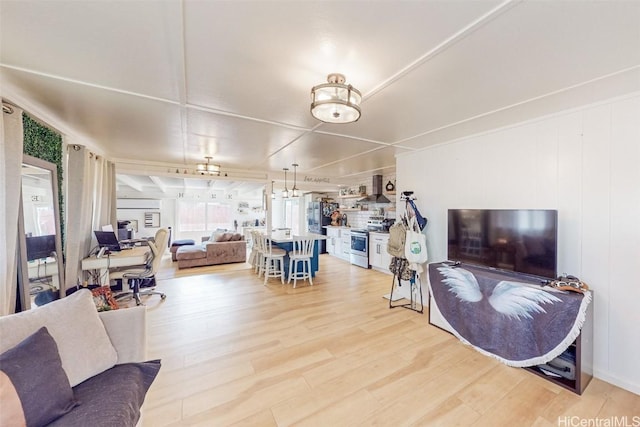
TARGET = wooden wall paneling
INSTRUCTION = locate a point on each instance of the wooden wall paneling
(624, 292)
(596, 191)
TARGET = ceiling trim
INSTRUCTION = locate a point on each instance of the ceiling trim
(93, 85)
(518, 104)
(445, 44)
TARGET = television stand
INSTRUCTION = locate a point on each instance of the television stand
(573, 375)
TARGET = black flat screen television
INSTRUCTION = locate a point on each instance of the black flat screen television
(39, 247)
(520, 240)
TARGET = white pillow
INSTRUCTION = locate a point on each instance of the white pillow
(73, 322)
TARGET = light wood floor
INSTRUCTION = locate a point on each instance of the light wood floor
(235, 352)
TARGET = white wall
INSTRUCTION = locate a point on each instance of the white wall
(586, 164)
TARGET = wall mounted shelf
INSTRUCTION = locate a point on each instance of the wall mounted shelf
(352, 196)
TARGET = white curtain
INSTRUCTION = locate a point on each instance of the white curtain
(104, 200)
(11, 135)
(91, 203)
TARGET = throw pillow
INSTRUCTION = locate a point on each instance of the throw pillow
(227, 237)
(34, 389)
(236, 237)
(218, 237)
(115, 396)
(73, 322)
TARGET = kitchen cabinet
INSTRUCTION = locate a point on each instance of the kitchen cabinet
(379, 258)
(334, 245)
(345, 241)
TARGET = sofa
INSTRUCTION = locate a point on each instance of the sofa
(65, 364)
(219, 248)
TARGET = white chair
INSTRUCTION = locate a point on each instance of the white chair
(273, 259)
(248, 237)
(255, 256)
(137, 274)
(258, 259)
(302, 252)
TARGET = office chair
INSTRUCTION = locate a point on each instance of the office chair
(136, 275)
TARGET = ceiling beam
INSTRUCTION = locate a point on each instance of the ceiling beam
(158, 182)
(128, 180)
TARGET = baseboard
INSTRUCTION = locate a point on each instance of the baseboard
(618, 382)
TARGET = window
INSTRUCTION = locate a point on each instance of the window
(203, 216)
(292, 215)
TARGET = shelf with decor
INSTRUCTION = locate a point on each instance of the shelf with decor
(352, 196)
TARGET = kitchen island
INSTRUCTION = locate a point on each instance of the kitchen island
(284, 241)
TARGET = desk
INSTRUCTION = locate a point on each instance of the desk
(125, 258)
(285, 242)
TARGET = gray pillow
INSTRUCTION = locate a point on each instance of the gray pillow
(111, 398)
(34, 389)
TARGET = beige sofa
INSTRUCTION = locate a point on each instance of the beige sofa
(212, 253)
(85, 368)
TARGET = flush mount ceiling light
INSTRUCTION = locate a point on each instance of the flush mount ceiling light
(208, 168)
(285, 192)
(335, 102)
(294, 191)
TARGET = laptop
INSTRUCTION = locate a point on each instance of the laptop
(108, 240)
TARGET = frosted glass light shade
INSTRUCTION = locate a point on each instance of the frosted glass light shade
(335, 102)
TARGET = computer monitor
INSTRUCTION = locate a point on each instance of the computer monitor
(107, 239)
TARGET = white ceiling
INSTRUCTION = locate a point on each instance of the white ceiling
(166, 83)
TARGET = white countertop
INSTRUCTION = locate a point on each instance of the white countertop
(281, 237)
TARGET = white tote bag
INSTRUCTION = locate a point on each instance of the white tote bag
(415, 246)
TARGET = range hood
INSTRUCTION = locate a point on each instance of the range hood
(376, 196)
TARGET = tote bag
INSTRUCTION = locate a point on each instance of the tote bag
(415, 246)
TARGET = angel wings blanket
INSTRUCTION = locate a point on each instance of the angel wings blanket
(509, 317)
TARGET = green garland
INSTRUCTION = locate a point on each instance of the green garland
(45, 144)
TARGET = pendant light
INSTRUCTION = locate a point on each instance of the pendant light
(285, 192)
(294, 191)
(273, 193)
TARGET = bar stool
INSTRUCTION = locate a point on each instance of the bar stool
(302, 252)
(273, 260)
(258, 260)
(253, 246)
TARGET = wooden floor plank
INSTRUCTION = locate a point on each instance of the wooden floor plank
(236, 352)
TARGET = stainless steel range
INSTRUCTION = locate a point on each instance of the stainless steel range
(360, 248)
(375, 223)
